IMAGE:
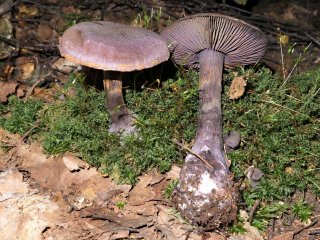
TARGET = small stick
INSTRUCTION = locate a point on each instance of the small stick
(282, 63)
(193, 153)
(305, 227)
(314, 41)
(314, 231)
(254, 209)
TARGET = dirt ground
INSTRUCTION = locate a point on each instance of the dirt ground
(62, 197)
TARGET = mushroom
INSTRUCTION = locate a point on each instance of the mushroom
(207, 196)
(114, 48)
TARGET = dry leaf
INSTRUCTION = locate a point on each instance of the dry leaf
(6, 30)
(252, 233)
(47, 95)
(11, 185)
(141, 193)
(241, 2)
(21, 33)
(120, 234)
(284, 236)
(5, 6)
(6, 89)
(147, 209)
(26, 11)
(173, 173)
(74, 163)
(44, 33)
(22, 90)
(25, 68)
(64, 65)
(237, 87)
(23, 216)
(70, 10)
(284, 39)
(89, 193)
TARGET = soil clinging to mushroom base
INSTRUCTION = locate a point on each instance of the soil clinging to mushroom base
(206, 197)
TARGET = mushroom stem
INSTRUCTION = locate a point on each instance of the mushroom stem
(121, 117)
(208, 197)
(209, 140)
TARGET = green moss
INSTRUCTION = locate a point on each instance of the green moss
(280, 132)
(279, 128)
(19, 116)
(80, 124)
(302, 210)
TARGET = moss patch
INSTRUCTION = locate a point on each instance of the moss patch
(279, 125)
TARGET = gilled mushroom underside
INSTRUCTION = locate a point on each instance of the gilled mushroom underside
(209, 42)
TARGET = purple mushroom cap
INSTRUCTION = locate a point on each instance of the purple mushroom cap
(241, 42)
(113, 46)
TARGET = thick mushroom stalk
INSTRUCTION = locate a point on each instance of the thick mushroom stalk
(209, 133)
(207, 196)
(114, 48)
(209, 42)
(121, 117)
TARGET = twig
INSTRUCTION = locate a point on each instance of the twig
(313, 40)
(266, 23)
(8, 7)
(27, 133)
(271, 229)
(39, 48)
(314, 231)
(282, 62)
(279, 105)
(254, 209)
(287, 78)
(305, 227)
(193, 153)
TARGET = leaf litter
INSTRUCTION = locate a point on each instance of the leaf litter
(62, 197)
(34, 184)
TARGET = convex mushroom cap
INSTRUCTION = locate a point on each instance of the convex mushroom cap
(240, 42)
(113, 46)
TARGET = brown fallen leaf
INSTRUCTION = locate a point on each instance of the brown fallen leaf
(25, 68)
(145, 233)
(252, 233)
(6, 30)
(73, 163)
(124, 222)
(64, 65)
(120, 234)
(27, 11)
(6, 89)
(12, 185)
(284, 236)
(70, 10)
(89, 193)
(173, 173)
(45, 33)
(48, 95)
(147, 209)
(237, 87)
(21, 90)
(141, 193)
(5, 6)
(21, 33)
(23, 215)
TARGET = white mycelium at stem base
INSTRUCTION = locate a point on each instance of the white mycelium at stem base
(208, 196)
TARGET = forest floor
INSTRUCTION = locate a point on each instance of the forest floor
(56, 186)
